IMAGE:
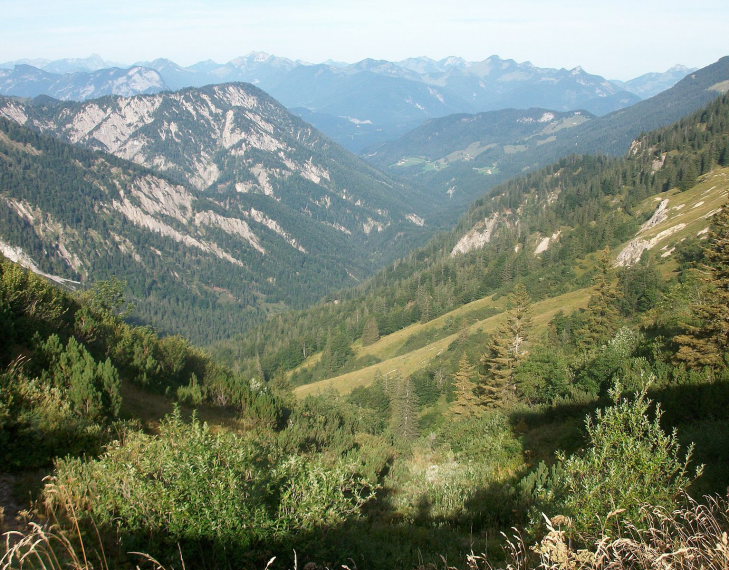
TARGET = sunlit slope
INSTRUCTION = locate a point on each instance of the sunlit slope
(673, 217)
(677, 216)
(409, 362)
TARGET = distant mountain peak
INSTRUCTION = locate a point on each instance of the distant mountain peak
(453, 61)
(259, 56)
(159, 61)
(679, 68)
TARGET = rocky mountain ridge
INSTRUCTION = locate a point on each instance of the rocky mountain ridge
(232, 141)
(28, 81)
(650, 84)
(215, 198)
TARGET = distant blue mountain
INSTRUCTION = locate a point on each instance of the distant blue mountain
(360, 104)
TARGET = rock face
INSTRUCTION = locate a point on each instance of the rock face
(478, 236)
(631, 253)
(233, 140)
(659, 216)
(545, 242)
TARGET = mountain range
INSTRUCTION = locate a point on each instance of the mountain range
(463, 156)
(358, 105)
(222, 207)
(28, 81)
(650, 84)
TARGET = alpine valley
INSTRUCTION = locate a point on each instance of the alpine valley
(280, 214)
(496, 339)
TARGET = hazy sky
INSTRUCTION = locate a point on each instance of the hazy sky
(618, 39)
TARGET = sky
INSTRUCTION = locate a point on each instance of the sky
(618, 39)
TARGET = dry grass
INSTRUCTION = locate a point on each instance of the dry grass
(43, 547)
(56, 546)
(408, 363)
(694, 538)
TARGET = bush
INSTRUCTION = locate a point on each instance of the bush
(196, 487)
(630, 461)
(608, 362)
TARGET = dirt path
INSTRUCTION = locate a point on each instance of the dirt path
(11, 500)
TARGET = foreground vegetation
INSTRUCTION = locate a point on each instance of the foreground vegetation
(403, 471)
(688, 538)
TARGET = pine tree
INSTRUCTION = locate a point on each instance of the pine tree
(109, 384)
(93, 388)
(371, 332)
(707, 343)
(467, 403)
(506, 349)
(602, 315)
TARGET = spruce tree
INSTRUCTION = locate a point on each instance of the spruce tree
(602, 316)
(336, 353)
(707, 343)
(467, 403)
(506, 349)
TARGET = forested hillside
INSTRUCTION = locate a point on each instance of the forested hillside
(457, 157)
(198, 263)
(71, 366)
(579, 205)
(294, 214)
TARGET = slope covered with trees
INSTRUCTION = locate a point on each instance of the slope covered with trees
(582, 204)
(68, 360)
(192, 264)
